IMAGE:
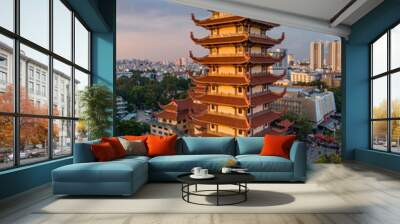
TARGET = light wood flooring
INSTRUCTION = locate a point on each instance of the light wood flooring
(377, 188)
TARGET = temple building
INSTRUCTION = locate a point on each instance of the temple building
(173, 119)
(234, 98)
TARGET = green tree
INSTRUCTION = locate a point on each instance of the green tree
(131, 127)
(97, 102)
(302, 126)
(146, 93)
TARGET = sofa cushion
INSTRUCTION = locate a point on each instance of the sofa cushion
(257, 163)
(207, 145)
(185, 163)
(112, 171)
(93, 172)
(133, 158)
(249, 145)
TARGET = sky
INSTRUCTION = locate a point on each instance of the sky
(159, 30)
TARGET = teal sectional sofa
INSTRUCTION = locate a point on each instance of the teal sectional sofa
(125, 176)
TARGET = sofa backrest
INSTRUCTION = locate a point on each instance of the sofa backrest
(249, 145)
(190, 146)
(83, 153)
(206, 145)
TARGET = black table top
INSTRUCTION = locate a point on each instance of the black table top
(220, 178)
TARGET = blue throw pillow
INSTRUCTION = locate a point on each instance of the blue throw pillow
(249, 145)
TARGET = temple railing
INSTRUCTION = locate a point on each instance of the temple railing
(227, 94)
(227, 35)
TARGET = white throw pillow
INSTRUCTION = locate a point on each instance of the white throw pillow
(136, 147)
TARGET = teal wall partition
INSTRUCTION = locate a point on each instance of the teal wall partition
(356, 72)
(100, 17)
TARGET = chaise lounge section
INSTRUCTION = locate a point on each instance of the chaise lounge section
(125, 176)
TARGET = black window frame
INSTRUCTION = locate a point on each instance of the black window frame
(16, 115)
(388, 74)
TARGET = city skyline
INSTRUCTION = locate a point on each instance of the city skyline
(159, 30)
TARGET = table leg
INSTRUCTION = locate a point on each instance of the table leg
(245, 193)
(188, 190)
(217, 194)
(195, 188)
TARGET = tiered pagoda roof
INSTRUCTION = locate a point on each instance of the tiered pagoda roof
(211, 118)
(263, 118)
(175, 110)
(237, 38)
(225, 100)
(264, 98)
(237, 122)
(213, 21)
(238, 80)
(236, 59)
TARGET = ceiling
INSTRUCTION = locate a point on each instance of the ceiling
(333, 17)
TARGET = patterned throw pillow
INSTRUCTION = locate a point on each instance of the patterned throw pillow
(135, 147)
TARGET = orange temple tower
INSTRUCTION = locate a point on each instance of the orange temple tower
(234, 98)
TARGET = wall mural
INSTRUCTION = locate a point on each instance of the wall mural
(191, 72)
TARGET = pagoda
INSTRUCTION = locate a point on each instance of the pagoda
(173, 119)
(233, 98)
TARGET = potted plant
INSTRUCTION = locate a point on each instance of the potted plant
(97, 102)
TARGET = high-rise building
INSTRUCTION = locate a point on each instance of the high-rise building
(34, 82)
(316, 55)
(290, 59)
(234, 98)
(181, 61)
(121, 107)
(335, 56)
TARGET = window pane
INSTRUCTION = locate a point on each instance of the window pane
(81, 131)
(62, 28)
(379, 56)
(33, 139)
(6, 75)
(379, 97)
(81, 45)
(395, 94)
(395, 136)
(62, 89)
(35, 21)
(379, 135)
(62, 138)
(395, 47)
(81, 82)
(34, 97)
(7, 14)
(6, 142)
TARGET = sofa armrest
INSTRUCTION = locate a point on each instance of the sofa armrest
(298, 155)
(83, 152)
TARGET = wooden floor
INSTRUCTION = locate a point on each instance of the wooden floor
(377, 188)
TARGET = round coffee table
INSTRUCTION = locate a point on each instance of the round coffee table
(238, 179)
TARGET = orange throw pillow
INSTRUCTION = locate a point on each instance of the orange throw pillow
(161, 145)
(135, 137)
(277, 145)
(103, 152)
(116, 145)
